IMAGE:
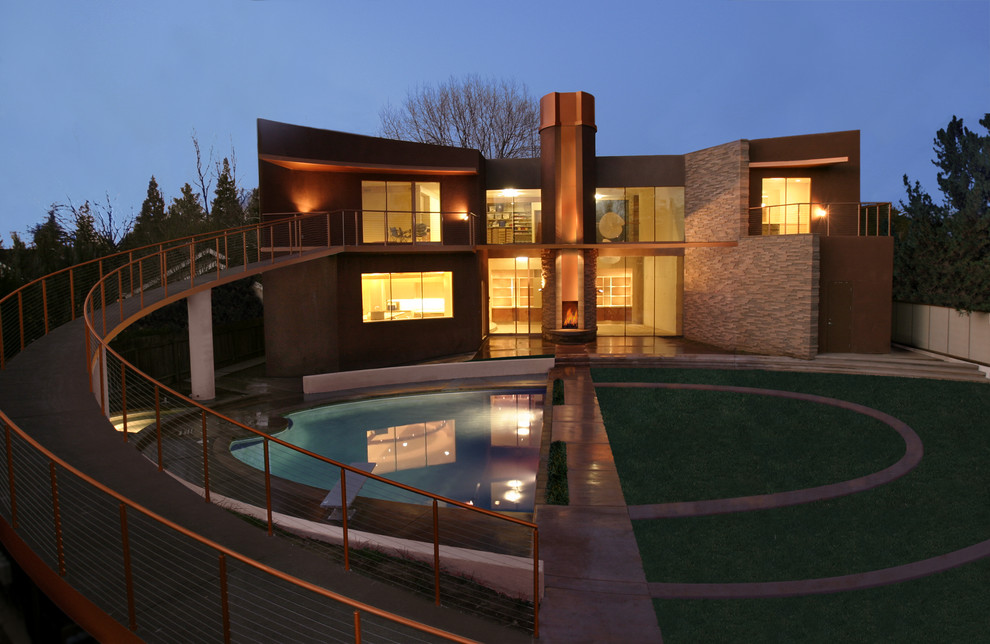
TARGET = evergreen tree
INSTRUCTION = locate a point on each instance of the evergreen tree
(86, 242)
(150, 225)
(943, 258)
(226, 211)
(51, 244)
(185, 215)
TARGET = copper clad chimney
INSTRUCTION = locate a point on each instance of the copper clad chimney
(567, 138)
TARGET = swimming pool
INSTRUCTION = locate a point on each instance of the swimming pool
(478, 447)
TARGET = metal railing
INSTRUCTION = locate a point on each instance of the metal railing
(376, 227)
(854, 218)
(440, 541)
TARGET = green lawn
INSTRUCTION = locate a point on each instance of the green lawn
(941, 506)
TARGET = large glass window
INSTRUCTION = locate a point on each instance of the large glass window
(407, 296)
(639, 295)
(513, 216)
(400, 212)
(639, 214)
(515, 295)
(786, 204)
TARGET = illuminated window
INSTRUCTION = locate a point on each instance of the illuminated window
(407, 296)
(786, 205)
(639, 214)
(400, 212)
(513, 216)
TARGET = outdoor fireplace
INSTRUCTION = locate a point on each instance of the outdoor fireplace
(569, 313)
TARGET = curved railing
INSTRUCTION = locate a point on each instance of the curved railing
(190, 440)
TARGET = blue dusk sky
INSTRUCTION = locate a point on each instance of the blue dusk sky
(98, 95)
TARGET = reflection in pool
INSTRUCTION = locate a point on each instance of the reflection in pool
(479, 447)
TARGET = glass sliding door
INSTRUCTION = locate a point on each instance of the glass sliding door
(639, 296)
(515, 296)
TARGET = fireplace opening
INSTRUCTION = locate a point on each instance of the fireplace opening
(569, 312)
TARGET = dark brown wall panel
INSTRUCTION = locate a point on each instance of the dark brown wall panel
(866, 265)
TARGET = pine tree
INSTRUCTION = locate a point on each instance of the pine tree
(150, 226)
(185, 215)
(944, 256)
(226, 210)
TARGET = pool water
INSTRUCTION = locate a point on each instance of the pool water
(478, 447)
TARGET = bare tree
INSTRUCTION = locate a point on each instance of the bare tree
(497, 117)
(203, 174)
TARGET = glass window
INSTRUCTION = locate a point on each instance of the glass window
(786, 204)
(513, 216)
(515, 295)
(407, 296)
(639, 214)
(400, 212)
(640, 296)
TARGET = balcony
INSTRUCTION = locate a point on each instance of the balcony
(864, 219)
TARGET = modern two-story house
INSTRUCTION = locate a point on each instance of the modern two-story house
(758, 246)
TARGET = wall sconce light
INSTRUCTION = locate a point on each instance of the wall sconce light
(821, 211)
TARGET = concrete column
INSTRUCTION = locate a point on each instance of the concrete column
(200, 311)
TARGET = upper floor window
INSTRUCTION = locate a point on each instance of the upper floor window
(397, 212)
(639, 214)
(786, 205)
(513, 216)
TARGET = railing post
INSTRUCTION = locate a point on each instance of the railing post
(141, 281)
(536, 582)
(123, 396)
(357, 627)
(104, 393)
(10, 476)
(44, 302)
(268, 487)
(436, 552)
(130, 272)
(120, 293)
(103, 304)
(343, 508)
(125, 546)
(158, 426)
(20, 314)
(58, 520)
(244, 248)
(224, 603)
(206, 461)
(72, 293)
(192, 263)
(3, 349)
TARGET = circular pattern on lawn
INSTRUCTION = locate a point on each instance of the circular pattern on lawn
(912, 456)
(747, 590)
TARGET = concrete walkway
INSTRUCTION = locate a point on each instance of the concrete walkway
(596, 590)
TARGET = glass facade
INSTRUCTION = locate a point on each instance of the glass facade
(400, 212)
(639, 214)
(513, 216)
(786, 204)
(639, 295)
(515, 295)
(387, 297)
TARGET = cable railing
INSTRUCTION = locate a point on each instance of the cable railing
(863, 219)
(456, 553)
(375, 227)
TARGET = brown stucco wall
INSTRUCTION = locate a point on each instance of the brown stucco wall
(716, 193)
(301, 318)
(313, 320)
(760, 296)
(833, 184)
(867, 264)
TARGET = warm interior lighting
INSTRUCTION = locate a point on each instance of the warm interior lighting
(513, 496)
(510, 192)
(820, 212)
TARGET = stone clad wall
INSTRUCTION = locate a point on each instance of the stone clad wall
(760, 296)
(716, 193)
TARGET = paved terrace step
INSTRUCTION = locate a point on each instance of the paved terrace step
(902, 364)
